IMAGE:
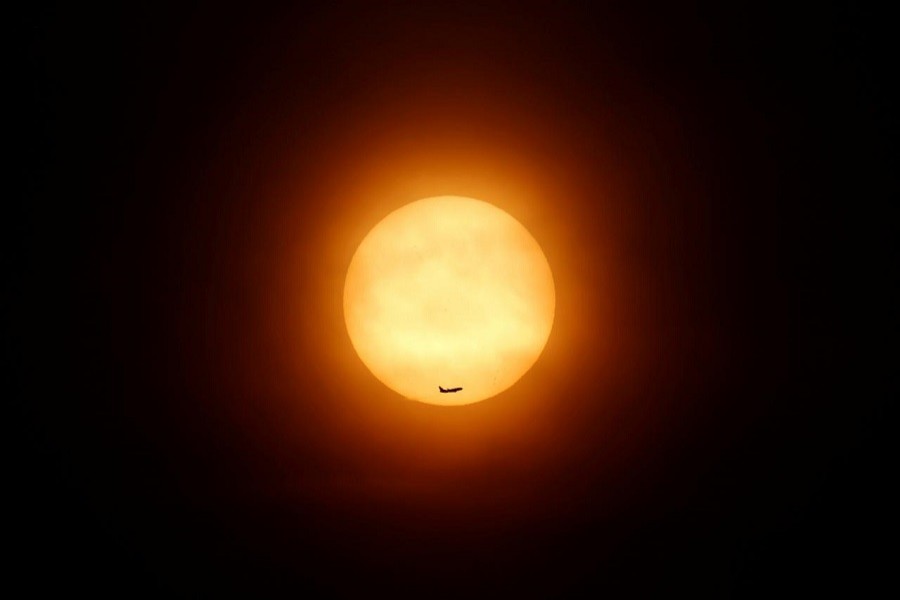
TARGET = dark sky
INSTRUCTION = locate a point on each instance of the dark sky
(706, 180)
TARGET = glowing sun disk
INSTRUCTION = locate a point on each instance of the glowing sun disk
(449, 292)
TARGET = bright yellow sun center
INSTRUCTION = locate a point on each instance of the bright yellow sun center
(449, 292)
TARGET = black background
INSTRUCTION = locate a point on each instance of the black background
(757, 138)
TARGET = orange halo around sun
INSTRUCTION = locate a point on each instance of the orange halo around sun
(449, 292)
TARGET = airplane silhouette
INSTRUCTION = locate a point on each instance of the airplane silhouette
(449, 390)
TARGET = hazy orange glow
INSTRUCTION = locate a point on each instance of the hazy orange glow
(320, 214)
(449, 291)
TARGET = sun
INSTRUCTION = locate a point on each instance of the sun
(449, 292)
